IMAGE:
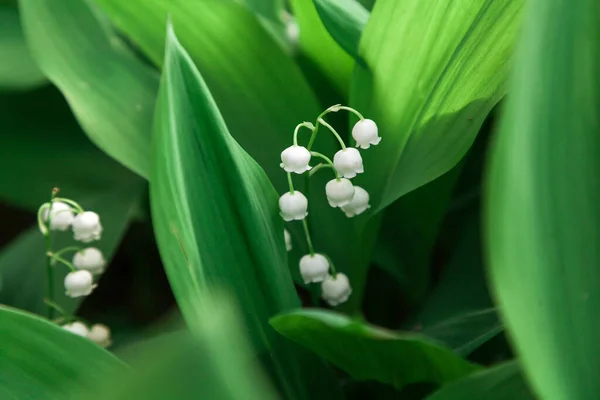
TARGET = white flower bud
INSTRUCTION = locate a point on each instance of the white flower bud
(295, 159)
(336, 290)
(339, 192)
(87, 227)
(293, 206)
(77, 328)
(79, 283)
(314, 268)
(90, 259)
(61, 216)
(288, 240)
(100, 334)
(365, 133)
(359, 203)
(348, 162)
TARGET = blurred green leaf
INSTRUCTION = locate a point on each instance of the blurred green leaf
(39, 360)
(320, 47)
(215, 364)
(270, 14)
(215, 217)
(17, 70)
(371, 353)
(111, 93)
(435, 70)
(542, 201)
(502, 382)
(345, 21)
(22, 261)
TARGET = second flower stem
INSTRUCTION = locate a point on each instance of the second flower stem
(311, 250)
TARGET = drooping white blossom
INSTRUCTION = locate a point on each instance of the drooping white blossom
(293, 206)
(77, 328)
(336, 289)
(79, 283)
(348, 162)
(61, 216)
(339, 192)
(365, 133)
(87, 227)
(314, 268)
(288, 240)
(295, 159)
(359, 203)
(100, 334)
(90, 259)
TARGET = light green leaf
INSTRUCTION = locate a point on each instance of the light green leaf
(215, 218)
(22, 261)
(320, 47)
(40, 360)
(17, 69)
(435, 70)
(502, 382)
(111, 93)
(542, 201)
(345, 21)
(371, 353)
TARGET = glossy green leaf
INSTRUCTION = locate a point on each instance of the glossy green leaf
(216, 220)
(22, 261)
(215, 364)
(542, 201)
(370, 353)
(17, 69)
(502, 382)
(40, 360)
(320, 47)
(345, 21)
(435, 70)
(110, 91)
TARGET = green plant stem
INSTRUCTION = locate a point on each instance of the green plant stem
(66, 249)
(49, 272)
(337, 136)
(62, 260)
(304, 124)
(315, 129)
(57, 307)
(290, 183)
(318, 167)
(328, 160)
(331, 266)
(70, 202)
(352, 110)
(311, 250)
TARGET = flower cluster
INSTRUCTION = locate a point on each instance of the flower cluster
(352, 200)
(98, 333)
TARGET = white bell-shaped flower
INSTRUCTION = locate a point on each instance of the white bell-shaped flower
(100, 334)
(314, 268)
(348, 162)
(61, 216)
(365, 133)
(77, 328)
(288, 240)
(336, 289)
(293, 206)
(359, 203)
(79, 283)
(295, 159)
(90, 259)
(87, 227)
(339, 192)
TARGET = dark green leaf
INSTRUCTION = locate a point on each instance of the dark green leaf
(111, 93)
(542, 210)
(371, 353)
(215, 217)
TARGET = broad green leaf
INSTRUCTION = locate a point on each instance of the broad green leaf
(215, 364)
(23, 262)
(48, 151)
(40, 360)
(345, 21)
(542, 201)
(215, 218)
(111, 93)
(320, 47)
(371, 353)
(271, 14)
(435, 70)
(502, 382)
(17, 70)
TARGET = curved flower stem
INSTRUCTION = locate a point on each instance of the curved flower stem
(311, 249)
(337, 136)
(331, 265)
(352, 110)
(316, 127)
(55, 306)
(66, 249)
(70, 202)
(318, 167)
(290, 183)
(40, 218)
(328, 160)
(62, 260)
(305, 125)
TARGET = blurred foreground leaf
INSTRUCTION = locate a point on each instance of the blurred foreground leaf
(216, 222)
(542, 211)
(371, 353)
(40, 360)
(345, 21)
